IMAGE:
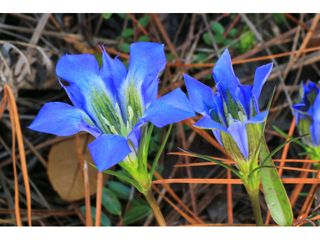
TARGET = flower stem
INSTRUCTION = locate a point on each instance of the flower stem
(254, 198)
(155, 208)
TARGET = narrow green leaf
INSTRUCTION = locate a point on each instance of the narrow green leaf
(126, 174)
(119, 189)
(160, 151)
(105, 221)
(213, 160)
(106, 15)
(278, 148)
(135, 214)
(110, 201)
(287, 136)
(116, 174)
(274, 192)
(138, 202)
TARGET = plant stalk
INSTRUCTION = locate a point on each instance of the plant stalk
(155, 208)
(254, 198)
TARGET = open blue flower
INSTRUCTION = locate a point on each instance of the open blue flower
(307, 113)
(232, 112)
(113, 104)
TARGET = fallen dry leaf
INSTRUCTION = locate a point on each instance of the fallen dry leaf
(65, 172)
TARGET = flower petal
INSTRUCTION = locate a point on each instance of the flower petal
(87, 90)
(227, 82)
(172, 107)
(108, 150)
(200, 95)
(258, 118)
(208, 123)
(136, 133)
(238, 132)
(260, 77)
(146, 61)
(62, 119)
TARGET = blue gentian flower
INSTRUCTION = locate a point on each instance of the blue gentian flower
(113, 104)
(307, 113)
(232, 112)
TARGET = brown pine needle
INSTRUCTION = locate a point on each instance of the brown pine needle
(235, 181)
(84, 165)
(99, 198)
(16, 188)
(172, 193)
(188, 218)
(15, 117)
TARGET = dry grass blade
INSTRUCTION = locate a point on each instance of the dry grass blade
(4, 101)
(299, 23)
(15, 118)
(83, 164)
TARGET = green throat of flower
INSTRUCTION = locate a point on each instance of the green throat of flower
(125, 128)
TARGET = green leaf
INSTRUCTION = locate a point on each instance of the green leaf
(125, 48)
(213, 160)
(143, 38)
(98, 57)
(116, 174)
(119, 189)
(122, 15)
(169, 56)
(106, 15)
(144, 21)
(135, 214)
(105, 221)
(218, 28)
(138, 202)
(206, 38)
(247, 42)
(218, 38)
(278, 18)
(110, 201)
(233, 32)
(126, 174)
(274, 192)
(127, 32)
